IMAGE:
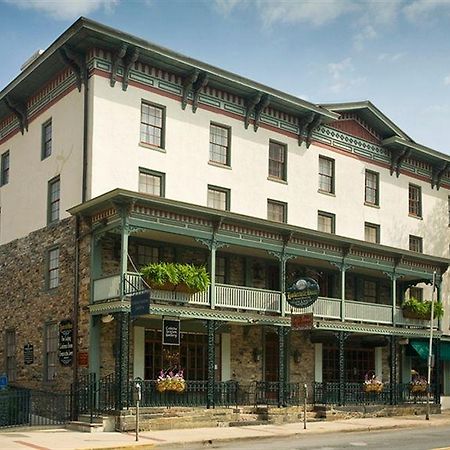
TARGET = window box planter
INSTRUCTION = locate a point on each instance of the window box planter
(176, 277)
(421, 310)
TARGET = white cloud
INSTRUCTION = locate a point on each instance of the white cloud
(226, 6)
(420, 9)
(65, 9)
(391, 57)
(447, 80)
(366, 34)
(298, 11)
(343, 76)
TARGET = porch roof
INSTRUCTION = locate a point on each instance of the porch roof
(116, 197)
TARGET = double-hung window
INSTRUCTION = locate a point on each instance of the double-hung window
(46, 150)
(151, 182)
(326, 175)
(326, 222)
(372, 233)
(11, 364)
(152, 124)
(54, 195)
(415, 200)
(51, 351)
(4, 174)
(277, 160)
(276, 211)
(415, 243)
(219, 144)
(53, 268)
(219, 198)
(371, 195)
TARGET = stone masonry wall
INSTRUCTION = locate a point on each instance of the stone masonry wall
(28, 304)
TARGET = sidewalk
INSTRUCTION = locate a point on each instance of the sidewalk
(57, 439)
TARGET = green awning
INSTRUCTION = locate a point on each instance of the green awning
(445, 351)
(421, 347)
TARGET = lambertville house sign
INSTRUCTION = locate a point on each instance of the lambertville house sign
(303, 293)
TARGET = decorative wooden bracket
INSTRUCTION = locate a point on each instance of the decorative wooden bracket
(311, 127)
(129, 60)
(197, 87)
(259, 108)
(397, 158)
(303, 123)
(117, 58)
(187, 86)
(20, 111)
(77, 62)
(437, 174)
(250, 107)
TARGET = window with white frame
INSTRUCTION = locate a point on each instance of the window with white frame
(326, 175)
(46, 150)
(4, 169)
(147, 254)
(415, 200)
(415, 243)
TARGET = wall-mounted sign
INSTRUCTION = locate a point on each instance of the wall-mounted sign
(65, 342)
(3, 382)
(140, 304)
(303, 293)
(171, 332)
(28, 354)
(302, 321)
(83, 359)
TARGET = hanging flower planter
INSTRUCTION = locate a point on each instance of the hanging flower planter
(372, 384)
(421, 310)
(171, 383)
(418, 385)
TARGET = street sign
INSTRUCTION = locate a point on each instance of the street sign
(303, 293)
(140, 304)
(171, 332)
(302, 321)
(3, 382)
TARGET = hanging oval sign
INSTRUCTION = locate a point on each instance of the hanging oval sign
(303, 293)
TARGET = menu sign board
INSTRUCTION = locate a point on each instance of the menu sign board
(65, 342)
(171, 332)
(28, 354)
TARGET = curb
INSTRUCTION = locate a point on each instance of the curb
(121, 447)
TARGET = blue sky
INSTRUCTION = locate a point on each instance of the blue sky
(395, 53)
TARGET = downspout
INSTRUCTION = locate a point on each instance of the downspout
(78, 236)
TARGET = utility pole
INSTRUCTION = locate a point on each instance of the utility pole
(430, 349)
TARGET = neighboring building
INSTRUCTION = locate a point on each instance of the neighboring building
(116, 153)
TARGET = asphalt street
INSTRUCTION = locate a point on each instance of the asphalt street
(408, 439)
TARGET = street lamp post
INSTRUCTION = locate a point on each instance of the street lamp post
(430, 349)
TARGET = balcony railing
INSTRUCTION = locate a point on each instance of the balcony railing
(253, 299)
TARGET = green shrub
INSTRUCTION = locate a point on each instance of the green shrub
(162, 274)
(423, 308)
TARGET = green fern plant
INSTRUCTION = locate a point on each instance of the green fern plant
(422, 309)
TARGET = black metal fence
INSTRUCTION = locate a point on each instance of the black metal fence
(354, 394)
(28, 407)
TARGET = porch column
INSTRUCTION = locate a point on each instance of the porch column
(393, 276)
(213, 244)
(282, 257)
(342, 337)
(343, 267)
(123, 318)
(211, 328)
(122, 358)
(282, 333)
(393, 370)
